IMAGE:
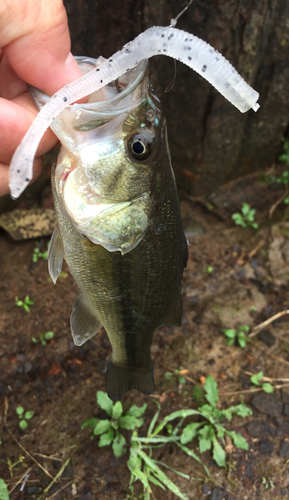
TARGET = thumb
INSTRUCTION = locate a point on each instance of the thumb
(35, 38)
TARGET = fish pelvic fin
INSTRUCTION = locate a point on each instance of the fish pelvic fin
(55, 255)
(175, 316)
(120, 379)
(83, 323)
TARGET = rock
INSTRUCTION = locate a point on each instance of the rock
(267, 337)
(206, 489)
(286, 410)
(266, 448)
(285, 491)
(270, 404)
(33, 490)
(256, 428)
(284, 450)
(217, 494)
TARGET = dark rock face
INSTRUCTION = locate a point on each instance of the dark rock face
(267, 337)
(270, 404)
(209, 138)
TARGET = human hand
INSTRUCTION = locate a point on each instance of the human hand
(34, 48)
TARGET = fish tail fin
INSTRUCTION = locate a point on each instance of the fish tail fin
(120, 379)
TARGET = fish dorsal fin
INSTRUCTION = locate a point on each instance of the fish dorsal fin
(83, 323)
(175, 317)
(55, 255)
(120, 379)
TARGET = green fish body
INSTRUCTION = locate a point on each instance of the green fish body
(119, 225)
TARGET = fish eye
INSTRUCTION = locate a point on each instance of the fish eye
(138, 147)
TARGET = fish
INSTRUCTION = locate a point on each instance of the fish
(119, 223)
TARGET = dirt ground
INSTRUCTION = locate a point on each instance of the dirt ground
(234, 276)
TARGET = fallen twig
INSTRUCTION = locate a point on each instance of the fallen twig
(20, 480)
(268, 379)
(254, 389)
(275, 205)
(63, 488)
(276, 358)
(268, 322)
(58, 475)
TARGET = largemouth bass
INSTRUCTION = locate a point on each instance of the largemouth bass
(119, 223)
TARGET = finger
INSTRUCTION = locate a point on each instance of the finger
(4, 174)
(10, 85)
(15, 118)
(36, 42)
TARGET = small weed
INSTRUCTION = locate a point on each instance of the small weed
(13, 466)
(24, 303)
(285, 155)
(268, 483)
(208, 269)
(24, 416)
(246, 218)
(108, 430)
(256, 380)
(142, 465)
(43, 338)
(4, 495)
(178, 374)
(39, 255)
(238, 335)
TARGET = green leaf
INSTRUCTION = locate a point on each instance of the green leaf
(23, 424)
(161, 476)
(90, 423)
(153, 480)
(267, 387)
(49, 335)
(230, 333)
(245, 209)
(241, 410)
(20, 410)
(206, 436)
(212, 391)
(198, 394)
(129, 422)
(172, 416)
(4, 495)
(106, 439)
(255, 379)
(244, 328)
(104, 402)
(238, 440)
(194, 456)
(118, 445)
(101, 427)
(117, 410)
(189, 432)
(230, 341)
(29, 414)
(137, 411)
(242, 341)
(219, 454)
(154, 419)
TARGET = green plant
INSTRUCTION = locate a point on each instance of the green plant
(37, 254)
(43, 338)
(256, 380)
(24, 303)
(144, 467)
(24, 416)
(176, 373)
(4, 495)
(285, 155)
(208, 269)
(246, 218)
(238, 335)
(268, 483)
(108, 429)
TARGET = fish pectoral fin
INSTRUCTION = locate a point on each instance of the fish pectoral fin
(55, 255)
(83, 323)
(120, 379)
(175, 317)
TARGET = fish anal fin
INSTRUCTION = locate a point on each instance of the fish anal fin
(55, 255)
(175, 316)
(120, 379)
(83, 323)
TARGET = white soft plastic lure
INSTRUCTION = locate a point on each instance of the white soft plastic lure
(167, 41)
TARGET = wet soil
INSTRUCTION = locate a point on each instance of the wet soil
(234, 277)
